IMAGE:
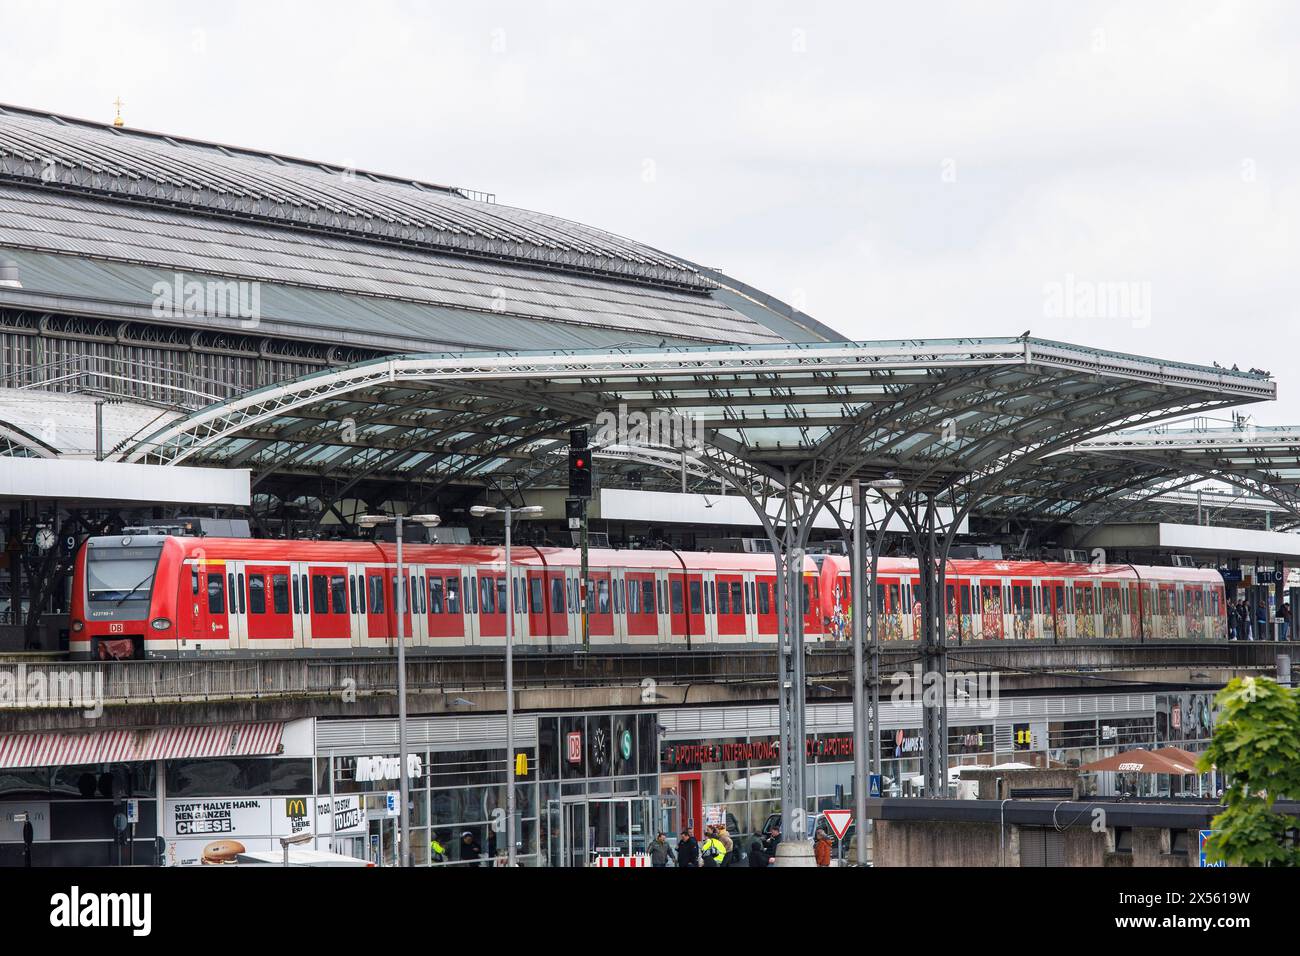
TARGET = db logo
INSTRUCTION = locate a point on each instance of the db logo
(575, 747)
(115, 628)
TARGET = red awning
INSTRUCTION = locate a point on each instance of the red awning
(67, 749)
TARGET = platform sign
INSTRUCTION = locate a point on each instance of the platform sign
(133, 811)
(839, 821)
(392, 800)
(1205, 835)
(873, 786)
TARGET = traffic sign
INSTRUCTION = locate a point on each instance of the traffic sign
(839, 821)
(1205, 835)
(873, 788)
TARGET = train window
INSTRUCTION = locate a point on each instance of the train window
(256, 594)
(502, 597)
(453, 595)
(423, 594)
(487, 596)
(737, 601)
(435, 595)
(965, 598)
(749, 597)
(806, 605)
(817, 589)
(297, 605)
(376, 594)
(280, 593)
(602, 596)
(536, 595)
(240, 592)
(675, 590)
(648, 596)
(697, 597)
(557, 596)
(352, 591)
(724, 600)
(633, 598)
(230, 587)
(339, 592)
(194, 580)
(471, 595)
(320, 594)
(764, 607)
(216, 594)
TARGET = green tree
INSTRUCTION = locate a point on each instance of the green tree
(1257, 746)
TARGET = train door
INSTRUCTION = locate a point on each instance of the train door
(1020, 609)
(557, 609)
(458, 605)
(269, 619)
(236, 606)
(991, 609)
(731, 607)
(417, 630)
(298, 604)
(677, 616)
(378, 627)
(1112, 614)
(708, 607)
(765, 614)
(212, 622)
(1053, 596)
(751, 606)
(642, 607)
(328, 593)
(491, 591)
(535, 581)
(600, 613)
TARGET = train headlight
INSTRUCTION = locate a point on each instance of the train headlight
(160, 624)
(78, 625)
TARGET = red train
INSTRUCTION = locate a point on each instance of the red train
(159, 596)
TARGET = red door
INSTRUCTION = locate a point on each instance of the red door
(491, 603)
(695, 606)
(642, 617)
(600, 613)
(556, 607)
(731, 605)
(538, 627)
(328, 593)
(677, 616)
(446, 622)
(378, 591)
(765, 592)
(269, 617)
(692, 806)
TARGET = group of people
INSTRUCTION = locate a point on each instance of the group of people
(1243, 626)
(716, 849)
(470, 850)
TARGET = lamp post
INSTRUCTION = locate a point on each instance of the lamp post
(399, 605)
(482, 511)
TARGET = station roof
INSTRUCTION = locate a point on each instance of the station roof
(94, 218)
(933, 413)
(1166, 474)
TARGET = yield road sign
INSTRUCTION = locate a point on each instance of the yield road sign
(839, 821)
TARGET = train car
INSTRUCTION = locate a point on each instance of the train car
(1044, 601)
(160, 596)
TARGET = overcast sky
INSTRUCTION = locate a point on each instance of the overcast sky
(1116, 175)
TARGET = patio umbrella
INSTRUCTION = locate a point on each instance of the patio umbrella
(1179, 754)
(1141, 761)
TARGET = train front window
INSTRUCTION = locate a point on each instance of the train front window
(114, 580)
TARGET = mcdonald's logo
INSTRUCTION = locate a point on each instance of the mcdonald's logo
(297, 807)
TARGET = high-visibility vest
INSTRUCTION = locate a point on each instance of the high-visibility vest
(717, 845)
(437, 848)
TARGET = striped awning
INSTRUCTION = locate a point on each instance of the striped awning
(67, 749)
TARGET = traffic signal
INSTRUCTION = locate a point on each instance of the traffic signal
(580, 472)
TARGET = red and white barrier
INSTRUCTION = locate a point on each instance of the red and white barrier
(622, 862)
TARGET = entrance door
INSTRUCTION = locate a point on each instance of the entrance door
(691, 816)
(575, 838)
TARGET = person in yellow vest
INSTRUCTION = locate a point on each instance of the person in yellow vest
(712, 851)
(437, 852)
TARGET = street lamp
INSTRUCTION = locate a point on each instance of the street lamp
(399, 604)
(482, 511)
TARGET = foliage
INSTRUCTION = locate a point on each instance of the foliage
(1256, 745)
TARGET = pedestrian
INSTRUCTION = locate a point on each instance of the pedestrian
(712, 851)
(757, 856)
(437, 852)
(688, 851)
(822, 851)
(728, 844)
(470, 850)
(771, 842)
(1261, 621)
(661, 852)
(1284, 615)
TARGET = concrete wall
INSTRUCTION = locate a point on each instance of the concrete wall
(944, 843)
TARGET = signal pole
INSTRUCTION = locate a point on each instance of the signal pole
(580, 480)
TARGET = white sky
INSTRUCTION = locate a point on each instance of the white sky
(894, 169)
